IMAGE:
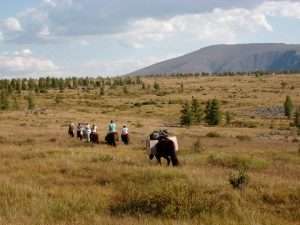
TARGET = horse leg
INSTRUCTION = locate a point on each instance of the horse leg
(158, 159)
(168, 160)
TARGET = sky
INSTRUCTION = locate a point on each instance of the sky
(115, 37)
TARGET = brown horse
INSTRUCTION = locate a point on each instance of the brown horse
(125, 139)
(94, 138)
(165, 148)
(71, 130)
(112, 138)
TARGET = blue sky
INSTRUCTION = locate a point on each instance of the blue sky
(111, 37)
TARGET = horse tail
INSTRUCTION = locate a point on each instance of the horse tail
(174, 158)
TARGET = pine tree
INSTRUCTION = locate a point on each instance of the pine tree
(181, 90)
(102, 91)
(207, 110)
(197, 111)
(214, 116)
(15, 103)
(30, 102)
(58, 99)
(288, 107)
(186, 115)
(156, 86)
(61, 85)
(297, 118)
(228, 117)
(4, 102)
(125, 90)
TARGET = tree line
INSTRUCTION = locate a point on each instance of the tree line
(193, 112)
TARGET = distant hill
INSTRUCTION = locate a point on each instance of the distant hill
(231, 58)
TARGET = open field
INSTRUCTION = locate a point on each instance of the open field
(48, 178)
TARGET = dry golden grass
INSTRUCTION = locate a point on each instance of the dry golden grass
(48, 178)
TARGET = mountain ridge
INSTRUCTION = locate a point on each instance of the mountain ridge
(271, 57)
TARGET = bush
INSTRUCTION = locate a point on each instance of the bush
(237, 162)
(239, 180)
(213, 135)
(198, 147)
(288, 107)
(30, 102)
(172, 200)
(186, 115)
(213, 113)
(243, 138)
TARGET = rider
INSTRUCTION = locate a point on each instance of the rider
(112, 127)
(88, 132)
(112, 133)
(94, 128)
(125, 135)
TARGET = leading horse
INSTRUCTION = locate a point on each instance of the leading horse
(165, 148)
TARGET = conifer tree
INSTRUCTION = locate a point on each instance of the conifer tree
(186, 114)
(156, 86)
(297, 118)
(4, 101)
(197, 111)
(30, 102)
(214, 116)
(288, 107)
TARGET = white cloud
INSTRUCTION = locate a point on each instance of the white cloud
(66, 19)
(84, 43)
(216, 25)
(280, 8)
(119, 67)
(12, 24)
(23, 62)
(50, 3)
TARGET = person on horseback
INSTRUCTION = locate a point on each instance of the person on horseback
(94, 136)
(94, 129)
(112, 127)
(88, 132)
(125, 135)
(112, 135)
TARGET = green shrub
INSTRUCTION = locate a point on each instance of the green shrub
(237, 162)
(243, 138)
(213, 135)
(172, 200)
(239, 180)
(102, 158)
(288, 107)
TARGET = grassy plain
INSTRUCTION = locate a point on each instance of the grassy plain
(48, 178)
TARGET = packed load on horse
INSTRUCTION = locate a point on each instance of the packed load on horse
(161, 144)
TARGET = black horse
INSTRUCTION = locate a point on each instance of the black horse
(111, 139)
(94, 138)
(71, 130)
(125, 139)
(165, 148)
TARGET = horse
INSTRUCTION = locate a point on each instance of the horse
(71, 130)
(165, 148)
(125, 139)
(112, 138)
(94, 138)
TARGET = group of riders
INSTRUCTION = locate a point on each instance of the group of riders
(85, 131)
(164, 145)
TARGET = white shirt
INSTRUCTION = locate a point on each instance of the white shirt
(94, 129)
(124, 131)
